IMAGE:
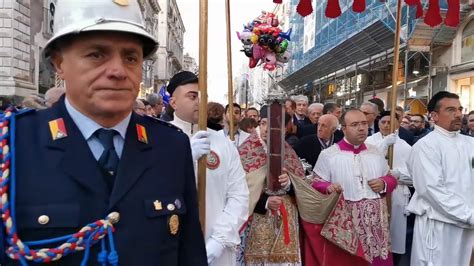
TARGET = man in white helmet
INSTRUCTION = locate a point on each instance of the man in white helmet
(92, 182)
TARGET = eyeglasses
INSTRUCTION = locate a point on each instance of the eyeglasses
(416, 121)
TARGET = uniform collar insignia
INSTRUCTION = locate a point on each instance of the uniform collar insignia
(57, 128)
(141, 133)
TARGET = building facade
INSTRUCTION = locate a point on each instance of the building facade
(170, 51)
(349, 60)
(25, 26)
(454, 64)
(150, 10)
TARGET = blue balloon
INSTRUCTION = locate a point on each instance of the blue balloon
(286, 35)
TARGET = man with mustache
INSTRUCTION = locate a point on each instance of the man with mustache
(442, 167)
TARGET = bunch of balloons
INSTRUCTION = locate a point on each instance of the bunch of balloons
(264, 43)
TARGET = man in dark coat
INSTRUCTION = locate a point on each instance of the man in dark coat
(309, 147)
(89, 160)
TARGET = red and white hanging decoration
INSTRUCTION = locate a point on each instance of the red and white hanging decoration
(432, 17)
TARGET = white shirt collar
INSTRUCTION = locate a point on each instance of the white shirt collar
(188, 128)
(300, 117)
(87, 126)
(443, 131)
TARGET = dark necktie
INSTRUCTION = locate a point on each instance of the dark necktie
(109, 159)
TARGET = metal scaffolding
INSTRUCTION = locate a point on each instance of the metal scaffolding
(346, 46)
(330, 33)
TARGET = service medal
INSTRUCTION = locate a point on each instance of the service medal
(173, 224)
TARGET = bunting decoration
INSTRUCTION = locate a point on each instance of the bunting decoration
(432, 17)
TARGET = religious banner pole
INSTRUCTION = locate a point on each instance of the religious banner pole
(203, 22)
(393, 103)
(230, 90)
(396, 55)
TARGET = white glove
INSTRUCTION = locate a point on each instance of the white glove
(214, 250)
(389, 140)
(200, 144)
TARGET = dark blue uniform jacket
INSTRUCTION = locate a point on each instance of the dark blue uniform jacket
(61, 179)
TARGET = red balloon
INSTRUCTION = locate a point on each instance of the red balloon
(252, 62)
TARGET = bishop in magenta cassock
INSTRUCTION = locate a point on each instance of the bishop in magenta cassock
(360, 172)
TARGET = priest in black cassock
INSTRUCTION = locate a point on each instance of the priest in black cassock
(310, 146)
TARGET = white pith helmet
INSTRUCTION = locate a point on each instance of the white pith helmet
(76, 16)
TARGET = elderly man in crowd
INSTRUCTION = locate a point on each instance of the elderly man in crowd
(315, 111)
(370, 111)
(139, 107)
(310, 146)
(300, 117)
(156, 103)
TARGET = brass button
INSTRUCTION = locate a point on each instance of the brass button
(114, 217)
(43, 219)
(171, 207)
